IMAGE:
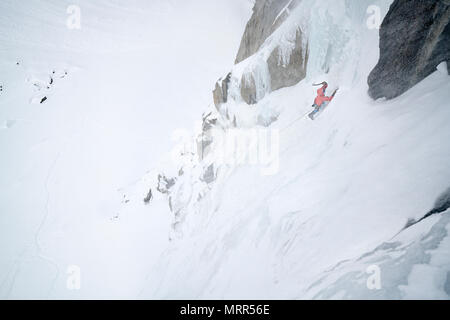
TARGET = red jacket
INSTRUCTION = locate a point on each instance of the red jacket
(321, 97)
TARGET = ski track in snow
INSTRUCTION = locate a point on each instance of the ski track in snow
(40, 252)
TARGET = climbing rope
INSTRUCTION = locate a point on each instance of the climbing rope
(295, 120)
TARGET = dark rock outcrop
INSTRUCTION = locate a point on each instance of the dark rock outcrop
(278, 71)
(414, 39)
(266, 18)
(148, 197)
(220, 92)
(284, 74)
(208, 175)
(441, 204)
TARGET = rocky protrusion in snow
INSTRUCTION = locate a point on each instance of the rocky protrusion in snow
(209, 175)
(220, 93)
(164, 183)
(148, 197)
(267, 16)
(288, 71)
(248, 89)
(281, 62)
(441, 205)
(284, 66)
(414, 40)
(205, 139)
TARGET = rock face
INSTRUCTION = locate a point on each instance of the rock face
(288, 73)
(164, 184)
(248, 89)
(414, 39)
(220, 93)
(280, 63)
(266, 18)
(205, 139)
(209, 175)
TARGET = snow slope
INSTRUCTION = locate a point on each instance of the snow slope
(135, 72)
(348, 184)
(75, 168)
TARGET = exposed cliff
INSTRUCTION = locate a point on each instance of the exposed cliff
(414, 39)
(266, 18)
(268, 58)
(288, 73)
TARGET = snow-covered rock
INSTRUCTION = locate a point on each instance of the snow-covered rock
(443, 68)
(288, 69)
(266, 18)
(280, 63)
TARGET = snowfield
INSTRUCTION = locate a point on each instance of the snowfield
(348, 184)
(136, 72)
(343, 217)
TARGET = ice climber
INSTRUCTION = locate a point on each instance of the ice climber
(321, 100)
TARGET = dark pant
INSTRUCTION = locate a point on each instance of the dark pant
(317, 108)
